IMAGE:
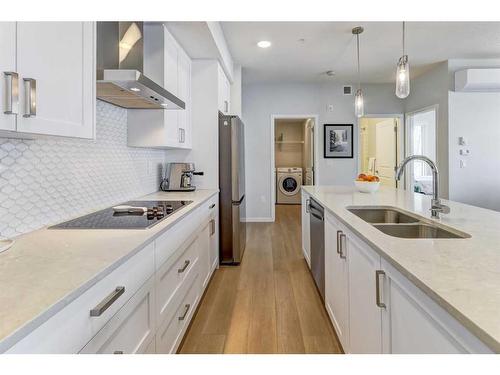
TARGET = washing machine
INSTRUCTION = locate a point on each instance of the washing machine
(288, 183)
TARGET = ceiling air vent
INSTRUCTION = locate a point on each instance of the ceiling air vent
(347, 90)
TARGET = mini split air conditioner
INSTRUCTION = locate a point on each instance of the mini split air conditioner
(478, 80)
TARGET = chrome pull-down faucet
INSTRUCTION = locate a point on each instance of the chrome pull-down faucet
(436, 206)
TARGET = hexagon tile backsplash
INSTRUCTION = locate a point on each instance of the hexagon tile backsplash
(51, 179)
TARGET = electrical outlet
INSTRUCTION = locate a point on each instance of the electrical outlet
(329, 107)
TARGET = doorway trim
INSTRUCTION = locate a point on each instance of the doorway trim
(435, 107)
(400, 137)
(272, 164)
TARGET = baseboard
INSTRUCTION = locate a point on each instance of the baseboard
(258, 220)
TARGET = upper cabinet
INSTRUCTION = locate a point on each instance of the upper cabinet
(8, 81)
(224, 94)
(48, 82)
(168, 64)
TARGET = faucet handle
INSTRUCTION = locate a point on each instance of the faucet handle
(439, 207)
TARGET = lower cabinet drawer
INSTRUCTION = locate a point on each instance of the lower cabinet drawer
(171, 276)
(70, 329)
(171, 331)
(131, 330)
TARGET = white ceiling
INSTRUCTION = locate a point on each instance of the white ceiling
(331, 46)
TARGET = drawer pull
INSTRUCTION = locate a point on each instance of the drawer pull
(212, 206)
(212, 227)
(118, 352)
(186, 309)
(108, 301)
(186, 264)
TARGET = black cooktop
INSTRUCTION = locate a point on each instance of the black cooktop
(108, 219)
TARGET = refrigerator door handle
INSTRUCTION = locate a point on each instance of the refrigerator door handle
(237, 203)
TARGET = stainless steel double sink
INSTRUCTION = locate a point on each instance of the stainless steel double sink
(397, 223)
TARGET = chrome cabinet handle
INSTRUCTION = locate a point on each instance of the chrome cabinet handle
(30, 97)
(308, 202)
(186, 309)
(11, 93)
(184, 267)
(378, 273)
(118, 352)
(226, 106)
(212, 227)
(212, 206)
(342, 239)
(183, 137)
(108, 301)
(339, 232)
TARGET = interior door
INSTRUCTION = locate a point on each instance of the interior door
(309, 152)
(56, 65)
(8, 87)
(385, 151)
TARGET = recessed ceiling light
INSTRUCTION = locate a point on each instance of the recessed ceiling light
(264, 44)
(164, 104)
(135, 89)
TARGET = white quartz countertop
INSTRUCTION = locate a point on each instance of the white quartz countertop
(47, 269)
(461, 275)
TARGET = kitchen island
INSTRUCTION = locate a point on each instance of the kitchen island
(454, 281)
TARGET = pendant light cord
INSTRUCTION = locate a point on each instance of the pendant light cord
(359, 74)
(404, 38)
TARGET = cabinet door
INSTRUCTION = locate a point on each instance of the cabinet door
(227, 95)
(336, 283)
(214, 240)
(414, 324)
(203, 242)
(184, 82)
(306, 244)
(131, 330)
(59, 58)
(365, 316)
(171, 62)
(7, 81)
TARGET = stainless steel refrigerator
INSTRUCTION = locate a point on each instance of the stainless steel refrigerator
(232, 189)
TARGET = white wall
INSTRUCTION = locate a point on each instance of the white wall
(261, 101)
(475, 116)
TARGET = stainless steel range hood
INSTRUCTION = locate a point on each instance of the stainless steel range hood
(120, 64)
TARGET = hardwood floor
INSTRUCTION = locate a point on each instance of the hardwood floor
(268, 304)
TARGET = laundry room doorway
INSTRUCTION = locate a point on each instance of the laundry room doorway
(293, 157)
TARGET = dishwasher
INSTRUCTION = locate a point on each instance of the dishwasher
(317, 235)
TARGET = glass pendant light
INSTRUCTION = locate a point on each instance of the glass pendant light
(359, 106)
(403, 73)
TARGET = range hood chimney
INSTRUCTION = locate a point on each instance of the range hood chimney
(120, 67)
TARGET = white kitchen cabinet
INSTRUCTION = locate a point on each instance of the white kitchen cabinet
(414, 324)
(224, 92)
(8, 72)
(156, 128)
(59, 58)
(131, 330)
(203, 244)
(365, 315)
(336, 282)
(214, 243)
(306, 238)
(55, 63)
(184, 93)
